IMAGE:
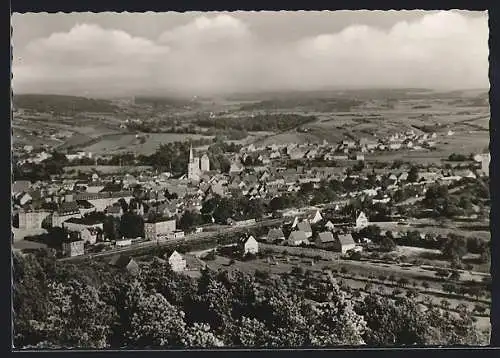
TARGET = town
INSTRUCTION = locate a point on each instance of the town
(295, 197)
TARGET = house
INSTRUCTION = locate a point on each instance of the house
(85, 206)
(127, 263)
(159, 229)
(315, 218)
(248, 245)
(32, 219)
(361, 221)
(73, 245)
(325, 240)
(91, 235)
(114, 210)
(485, 164)
(305, 227)
(275, 235)
(177, 262)
(66, 210)
(297, 238)
(79, 224)
(23, 198)
(177, 234)
(329, 225)
(20, 186)
(241, 223)
(344, 243)
(123, 242)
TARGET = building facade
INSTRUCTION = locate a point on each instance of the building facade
(177, 262)
(73, 248)
(159, 230)
(32, 219)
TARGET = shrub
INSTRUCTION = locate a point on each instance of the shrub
(343, 270)
(262, 274)
(382, 277)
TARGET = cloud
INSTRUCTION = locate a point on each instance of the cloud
(220, 53)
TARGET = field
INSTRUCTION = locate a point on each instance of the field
(121, 143)
(340, 115)
(356, 276)
(106, 169)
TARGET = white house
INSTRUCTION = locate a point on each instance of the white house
(329, 225)
(249, 245)
(361, 221)
(297, 237)
(177, 262)
(315, 218)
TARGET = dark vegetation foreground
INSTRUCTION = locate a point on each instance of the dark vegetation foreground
(60, 305)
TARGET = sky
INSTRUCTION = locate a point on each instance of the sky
(195, 53)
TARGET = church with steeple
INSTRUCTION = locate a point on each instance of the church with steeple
(197, 166)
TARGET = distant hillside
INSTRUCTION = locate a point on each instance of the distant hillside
(312, 104)
(62, 104)
(166, 102)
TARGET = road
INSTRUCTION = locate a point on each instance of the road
(188, 238)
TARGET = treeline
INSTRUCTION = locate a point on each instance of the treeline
(161, 102)
(59, 305)
(260, 122)
(315, 104)
(62, 104)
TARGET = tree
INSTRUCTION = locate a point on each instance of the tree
(189, 220)
(387, 245)
(413, 174)
(123, 204)
(455, 247)
(391, 322)
(335, 320)
(131, 225)
(200, 336)
(111, 228)
(156, 323)
(76, 317)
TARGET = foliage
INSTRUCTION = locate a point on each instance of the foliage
(56, 306)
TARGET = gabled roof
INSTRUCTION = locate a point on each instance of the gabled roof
(346, 239)
(173, 254)
(275, 234)
(325, 237)
(121, 261)
(244, 240)
(297, 236)
(68, 207)
(84, 204)
(304, 226)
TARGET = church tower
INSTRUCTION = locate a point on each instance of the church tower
(205, 163)
(193, 166)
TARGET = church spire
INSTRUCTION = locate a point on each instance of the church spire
(191, 156)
